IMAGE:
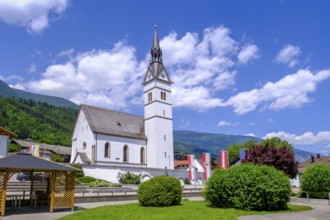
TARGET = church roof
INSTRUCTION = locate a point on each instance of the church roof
(110, 122)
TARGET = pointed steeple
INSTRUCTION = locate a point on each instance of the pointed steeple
(156, 69)
(155, 52)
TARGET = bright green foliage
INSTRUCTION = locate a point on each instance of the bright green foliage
(160, 191)
(316, 179)
(79, 173)
(233, 150)
(86, 179)
(277, 143)
(57, 158)
(38, 121)
(248, 187)
(99, 183)
(130, 178)
(91, 181)
(14, 148)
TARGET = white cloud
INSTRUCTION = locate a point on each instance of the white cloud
(250, 135)
(224, 123)
(98, 77)
(227, 123)
(289, 92)
(308, 138)
(248, 53)
(35, 15)
(288, 55)
(32, 68)
(200, 67)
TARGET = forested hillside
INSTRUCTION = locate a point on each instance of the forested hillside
(7, 91)
(38, 121)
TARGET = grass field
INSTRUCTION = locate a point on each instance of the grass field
(187, 210)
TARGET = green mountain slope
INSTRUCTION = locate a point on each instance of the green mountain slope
(39, 121)
(6, 91)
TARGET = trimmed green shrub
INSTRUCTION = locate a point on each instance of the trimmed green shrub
(86, 179)
(130, 178)
(99, 183)
(160, 191)
(248, 187)
(316, 181)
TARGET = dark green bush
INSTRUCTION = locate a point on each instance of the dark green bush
(187, 181)
(248, 187)
(160, 191)
(14, 148)
(316, 181)
(130, 178)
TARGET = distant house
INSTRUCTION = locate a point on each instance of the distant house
(46, 150)
(183, 165)
(5, 134)
(318, 159)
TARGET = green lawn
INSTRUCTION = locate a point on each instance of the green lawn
(187, 210)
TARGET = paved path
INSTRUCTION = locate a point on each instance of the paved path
(319, 212)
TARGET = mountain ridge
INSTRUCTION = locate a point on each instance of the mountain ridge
(7, 91)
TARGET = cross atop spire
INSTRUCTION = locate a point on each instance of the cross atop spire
(155, 52)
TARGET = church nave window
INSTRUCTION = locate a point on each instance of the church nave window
(142, 155)
(125, 154)
(107, 149)
(84, 145)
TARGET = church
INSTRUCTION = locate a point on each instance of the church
(105, 140)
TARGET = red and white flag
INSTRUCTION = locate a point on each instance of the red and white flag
(223, 159)
(206, 165)
(191, 166)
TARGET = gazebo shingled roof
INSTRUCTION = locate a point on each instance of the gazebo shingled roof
(25, 161)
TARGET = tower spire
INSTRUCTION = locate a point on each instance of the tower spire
(155, 52)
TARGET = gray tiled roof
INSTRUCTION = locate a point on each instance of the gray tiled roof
(104, 121)
(55, 148)
(24, 161)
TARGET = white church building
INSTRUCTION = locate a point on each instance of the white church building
(108, 143)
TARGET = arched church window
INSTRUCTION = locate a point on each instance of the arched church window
(84, 145)
(142, 155)
(107, 149)
(125, 156)
(149, 96)
(164, 95)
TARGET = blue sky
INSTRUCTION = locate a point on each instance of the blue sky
(239, 67)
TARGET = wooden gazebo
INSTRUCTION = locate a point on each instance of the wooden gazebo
(58, 187)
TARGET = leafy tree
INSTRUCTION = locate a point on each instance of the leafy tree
(281, 158)
(233, 150)
(277, 143)
(316, 179)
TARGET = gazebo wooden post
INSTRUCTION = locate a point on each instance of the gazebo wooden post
(52, 190)
(4, 192)
(31, 186)
(72, 175)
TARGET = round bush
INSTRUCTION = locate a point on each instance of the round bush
(160, 191)
(248, 187)
(316, 179)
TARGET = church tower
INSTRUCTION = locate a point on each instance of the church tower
(158, 111)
